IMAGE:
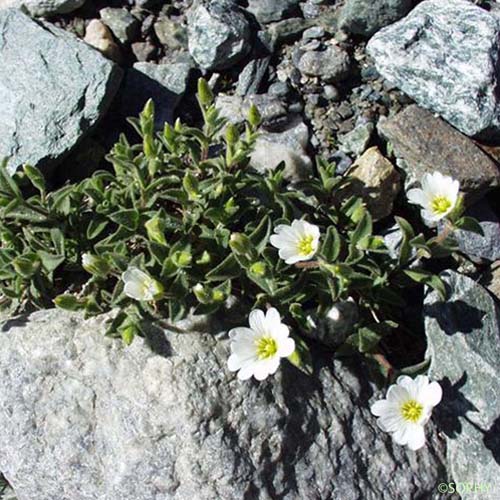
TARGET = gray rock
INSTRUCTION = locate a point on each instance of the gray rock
(445, 56)
(366, 17)
(43, 8)
(331, 65)
(358, 139)
(84, 417)
(121, 22)
(235, 109)
(313, 33)
(487, 246)
(288, 29)
(144, 51)
(251, 77)
(267, 11)
(491, 279)
(171, 34)
(288, 146)
(427, 144)
(53, 90)
(463, 337)
(164, 83)
(218, 34)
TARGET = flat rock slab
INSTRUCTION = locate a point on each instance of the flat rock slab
(427, 143)
(445, 56)
(463, 336)
(42, 8)
(82, 416)
(53, 90)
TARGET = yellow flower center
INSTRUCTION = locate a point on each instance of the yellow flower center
(266, 347)
(412, 411)
(440, 205)
(305, 245)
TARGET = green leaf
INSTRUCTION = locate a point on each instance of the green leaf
(429, 279)
(26, 265)
(331, 245)
(26, 214)
(469, 224)
(408, 235)
(36, 177)
(126, 218)
(96, 227)
(7, 184)
(363, 229)
(301, 357)
(50, 262)
(227, 269)
(68, 302)
(260, 235)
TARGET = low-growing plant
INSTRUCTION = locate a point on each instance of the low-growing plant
(182, 224)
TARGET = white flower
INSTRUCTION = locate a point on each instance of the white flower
(406, 409)
(296, 242)
(438, 196)
(140, 286)
(258, 350)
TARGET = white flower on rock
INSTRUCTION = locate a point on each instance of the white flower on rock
(297, 242)
(407, 408)
(140, 286)
(258, 350)
(438, 196)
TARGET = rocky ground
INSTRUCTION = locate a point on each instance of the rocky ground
(387, 102)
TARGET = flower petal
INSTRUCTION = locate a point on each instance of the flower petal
(433, 394)
(380, 407)
(415, 437)
(134, 290)
(286, 347)
(257, 322)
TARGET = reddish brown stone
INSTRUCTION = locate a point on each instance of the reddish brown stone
(427, 143)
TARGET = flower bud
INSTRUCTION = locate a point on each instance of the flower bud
(258, 269)
(201, 294)
(232, 135)
(239, 243)
(95, 265)
(205, 94)
(182, 258)
(254, 117)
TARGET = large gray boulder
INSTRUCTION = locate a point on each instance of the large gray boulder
(44, 8)
(445, 56)
(53, 90)
(218, 33)
(463, 337)
(84, 417)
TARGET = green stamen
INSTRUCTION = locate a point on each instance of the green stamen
(412, 411)
(440, 204)
(266, 347)
(305, 245)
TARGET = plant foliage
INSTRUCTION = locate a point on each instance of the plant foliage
(184, 206)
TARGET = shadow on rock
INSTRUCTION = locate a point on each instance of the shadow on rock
(456, 316)
(492, 440)
(453, 405)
